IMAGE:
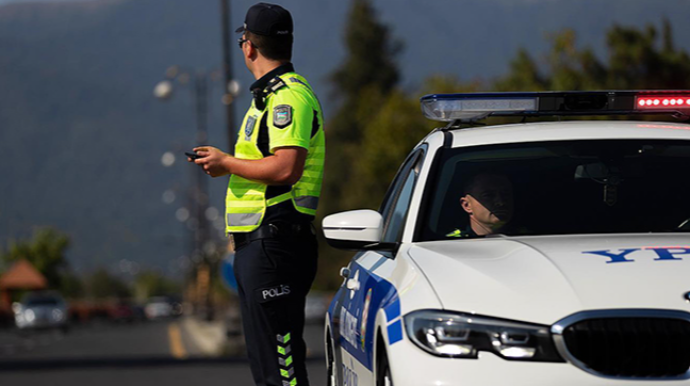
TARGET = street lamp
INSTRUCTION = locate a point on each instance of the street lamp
(199, 202)
(164, 90)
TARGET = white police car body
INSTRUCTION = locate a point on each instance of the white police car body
(587, 285)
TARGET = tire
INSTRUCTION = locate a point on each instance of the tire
(383, 370)
(330, 362)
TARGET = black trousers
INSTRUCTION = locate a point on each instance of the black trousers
(274, 276)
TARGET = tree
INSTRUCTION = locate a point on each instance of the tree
(362, 83)
(636, 59)
(102, 285)
(151, 283)
(397, 117)
(71, 286)
(46, 251)
(368, 74)
(523, 74)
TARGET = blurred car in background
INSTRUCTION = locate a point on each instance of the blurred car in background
(126, 311)
(41, 310)
(162, 307)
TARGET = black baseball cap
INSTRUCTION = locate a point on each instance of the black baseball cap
(268, 20)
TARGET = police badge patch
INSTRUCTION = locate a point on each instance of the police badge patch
(249, 127)
(282, 116)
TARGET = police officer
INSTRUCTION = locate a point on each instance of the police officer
(274, 188)
(488, 201)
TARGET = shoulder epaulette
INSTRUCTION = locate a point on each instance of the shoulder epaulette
(274, 85)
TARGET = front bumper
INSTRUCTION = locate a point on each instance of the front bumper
(24, 323)
(410, 366)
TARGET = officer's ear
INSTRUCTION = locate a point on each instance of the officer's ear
(249, 50)
(466, 204)
(252, 52)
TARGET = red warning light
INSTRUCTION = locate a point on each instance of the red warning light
(662, 102)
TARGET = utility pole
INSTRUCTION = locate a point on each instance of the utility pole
(228, 98)
(198, 196)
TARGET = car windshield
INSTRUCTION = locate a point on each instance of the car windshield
(42, 301)
(574, 187)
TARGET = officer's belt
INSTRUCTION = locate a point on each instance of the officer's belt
(278, 230)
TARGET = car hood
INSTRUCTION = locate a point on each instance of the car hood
(544, 279)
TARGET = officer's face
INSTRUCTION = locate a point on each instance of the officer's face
(490, 201)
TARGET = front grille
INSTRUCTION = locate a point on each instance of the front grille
(631, 347)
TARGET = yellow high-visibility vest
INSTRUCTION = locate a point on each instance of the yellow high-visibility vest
(294, 118)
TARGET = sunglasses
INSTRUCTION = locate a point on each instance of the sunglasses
(241, 41)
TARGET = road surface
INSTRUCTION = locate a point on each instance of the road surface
(160, 353)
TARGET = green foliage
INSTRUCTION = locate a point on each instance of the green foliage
(149, 283)
(102, 285)
(637, 59)
(46, 251)
(367, 75)
(72, 287)
(523, 74)
(371, 54)
(397, 120)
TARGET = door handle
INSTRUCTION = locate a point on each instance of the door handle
(352, 284)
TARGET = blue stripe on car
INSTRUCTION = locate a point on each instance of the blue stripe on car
(393, 310)
(395, 332)
(384, 296)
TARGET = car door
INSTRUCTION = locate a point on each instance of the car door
(368, 287)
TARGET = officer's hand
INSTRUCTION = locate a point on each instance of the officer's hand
(212, 160)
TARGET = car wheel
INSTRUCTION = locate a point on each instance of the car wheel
(330, 358)
(383, 371)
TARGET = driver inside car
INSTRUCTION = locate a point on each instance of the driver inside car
(488, 201)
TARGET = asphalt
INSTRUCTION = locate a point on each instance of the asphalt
(168, 352)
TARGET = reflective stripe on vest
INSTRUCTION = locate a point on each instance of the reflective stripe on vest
(250, 219)
(244, 219)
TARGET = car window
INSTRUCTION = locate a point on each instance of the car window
(391, 194)
(395, 211)
(569, 187)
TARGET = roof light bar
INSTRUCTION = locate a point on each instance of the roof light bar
(475, 106)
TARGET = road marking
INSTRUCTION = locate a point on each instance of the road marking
(176, 346)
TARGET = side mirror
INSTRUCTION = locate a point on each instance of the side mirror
(356, 230)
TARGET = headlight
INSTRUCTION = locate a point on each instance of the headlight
(459, 335)
(29, 315)
(58, 315)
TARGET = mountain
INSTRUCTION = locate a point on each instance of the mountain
(81, 135)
